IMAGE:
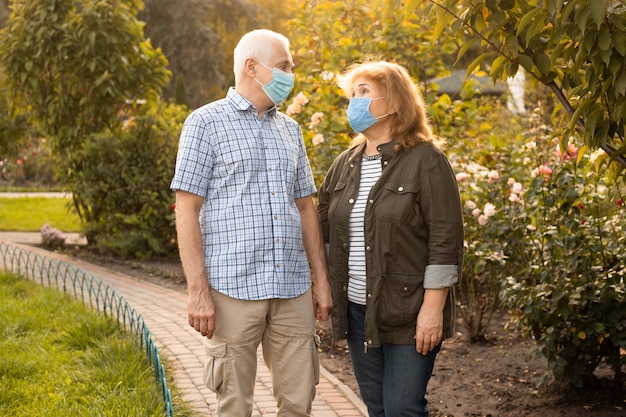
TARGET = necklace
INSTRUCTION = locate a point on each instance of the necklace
(372, 157)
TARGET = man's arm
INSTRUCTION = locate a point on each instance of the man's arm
(315, 250)
(200, 306)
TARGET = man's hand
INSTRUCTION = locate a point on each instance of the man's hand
(201, 313)
(316, 253)
(322, 298)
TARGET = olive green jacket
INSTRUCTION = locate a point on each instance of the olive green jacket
(413, 238)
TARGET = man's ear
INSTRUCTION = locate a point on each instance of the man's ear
(249, 67)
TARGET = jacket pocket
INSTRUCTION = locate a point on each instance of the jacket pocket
(400, 300)
(397, 202)
(217, 367)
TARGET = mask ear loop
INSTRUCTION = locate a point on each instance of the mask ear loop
(379, 117)
(255, 79)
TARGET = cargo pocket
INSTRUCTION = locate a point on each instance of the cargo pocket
(317, 342)
(217, 367)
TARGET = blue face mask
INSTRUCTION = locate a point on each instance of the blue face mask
(279, 87)
(359, 115)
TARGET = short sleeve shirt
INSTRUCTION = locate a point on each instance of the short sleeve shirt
(249, 170)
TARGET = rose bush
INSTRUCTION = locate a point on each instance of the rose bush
(547, 232)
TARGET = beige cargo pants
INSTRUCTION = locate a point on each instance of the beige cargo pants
(286, 330)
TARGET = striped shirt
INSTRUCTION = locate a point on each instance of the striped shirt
(249, 170)
(370, 172)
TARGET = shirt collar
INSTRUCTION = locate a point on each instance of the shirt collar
(242, 103)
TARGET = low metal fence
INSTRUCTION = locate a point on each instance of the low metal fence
(92, 292)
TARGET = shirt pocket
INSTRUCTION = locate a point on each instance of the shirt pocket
(401, 297)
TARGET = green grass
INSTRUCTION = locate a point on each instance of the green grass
(58, 358)
(28, 214)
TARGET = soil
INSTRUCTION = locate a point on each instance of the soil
(495, 378)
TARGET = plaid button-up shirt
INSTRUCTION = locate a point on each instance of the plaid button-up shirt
(249, 170)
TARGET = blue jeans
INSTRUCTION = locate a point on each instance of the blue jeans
(392, 378)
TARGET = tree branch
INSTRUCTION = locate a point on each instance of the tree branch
(608, 149)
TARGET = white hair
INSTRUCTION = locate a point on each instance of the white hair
(258, 44)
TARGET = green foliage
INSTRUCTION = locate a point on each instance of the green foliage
(193, 48)
(29, 214)
(544, 228)
(570, 297)
(27, 163)
(13, 125)
(4, 12)
(59, 358)
(198, 38)
(83, 67)
(76, 63)
(121, 189)
(577, 48)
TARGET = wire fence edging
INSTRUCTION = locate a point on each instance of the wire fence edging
(91, 291)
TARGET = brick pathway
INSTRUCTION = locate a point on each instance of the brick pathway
(164, 312)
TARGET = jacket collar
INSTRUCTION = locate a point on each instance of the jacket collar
(387, 148)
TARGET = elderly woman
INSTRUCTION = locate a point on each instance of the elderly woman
(392, 220)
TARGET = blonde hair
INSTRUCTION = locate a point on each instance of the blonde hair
(410, 124)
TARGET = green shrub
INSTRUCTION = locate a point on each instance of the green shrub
(121, 188)
(571, 297)
(548, 232)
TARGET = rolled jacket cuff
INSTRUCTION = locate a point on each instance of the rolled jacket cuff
(441, 276)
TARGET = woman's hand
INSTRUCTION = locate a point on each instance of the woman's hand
(429, 326)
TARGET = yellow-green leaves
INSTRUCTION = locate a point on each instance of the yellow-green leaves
(598, 11)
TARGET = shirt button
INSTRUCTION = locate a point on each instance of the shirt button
(371, 201)
(369, 342)
(405, 289)
(351, 165)
(351, 201)
(400, 188)
(273, 193)
(386, 163)
(369, 295)
(277, 265)
(368, 248)
(277, 240)
(269, 170)
(275, 217)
